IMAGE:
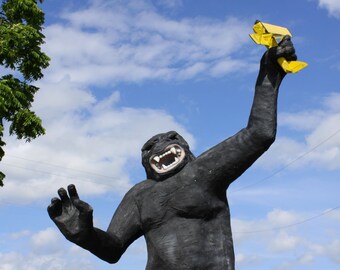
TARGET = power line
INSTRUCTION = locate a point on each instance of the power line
(58, 175)
(245, 187)
(236, 232)
(291, 225)
(288, 164)
(105, 176)
(59, 166)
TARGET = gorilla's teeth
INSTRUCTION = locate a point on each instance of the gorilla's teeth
(166, 161)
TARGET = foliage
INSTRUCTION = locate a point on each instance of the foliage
(20, 53)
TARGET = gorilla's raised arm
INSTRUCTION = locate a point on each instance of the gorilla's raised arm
(74, 219)
(226, 161)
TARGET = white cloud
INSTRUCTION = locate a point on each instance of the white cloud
(55, 100)
(332, 102)
(91, 142)
(88, 142)
(46, 241)
(284, 242)
(279, 217)
(302, 121)
(283, 152)
(243, 229)
(332, 6)
(291, 246)
(300, 260)
(306, 259)
(20, 234)
(31, 261)
(333, 251)
(171, 4)
(275, 220)
(47, 251)
(321, 147)
(231, 65)
(335, 214)
(103, 38)
(246, 259)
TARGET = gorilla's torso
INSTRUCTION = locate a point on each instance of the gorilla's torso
(186, 223)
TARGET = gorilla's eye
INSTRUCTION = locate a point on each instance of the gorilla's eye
(147, 147)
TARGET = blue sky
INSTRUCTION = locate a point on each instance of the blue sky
(122, 71)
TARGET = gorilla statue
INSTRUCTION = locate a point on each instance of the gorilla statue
(181, 209)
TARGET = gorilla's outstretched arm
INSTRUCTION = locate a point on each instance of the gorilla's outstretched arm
(74, 219)
(226, 161)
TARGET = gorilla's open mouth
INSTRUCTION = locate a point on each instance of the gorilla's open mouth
(170, 158)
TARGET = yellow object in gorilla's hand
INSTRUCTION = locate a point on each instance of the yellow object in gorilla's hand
(270, 35)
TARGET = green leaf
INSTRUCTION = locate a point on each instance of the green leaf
(21, 39)
(26, 125)
(2, 177)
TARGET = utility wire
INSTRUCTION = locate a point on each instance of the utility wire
(59, 166)
(105, 176)
(58, 175)
(290, 225)
(288, 164)
(242, 188)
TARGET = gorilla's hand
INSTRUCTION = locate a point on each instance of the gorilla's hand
(72, 216)
(284, 49)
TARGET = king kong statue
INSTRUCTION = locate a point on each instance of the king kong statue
(181, 209)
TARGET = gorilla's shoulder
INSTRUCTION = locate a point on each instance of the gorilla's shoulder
(141, 189)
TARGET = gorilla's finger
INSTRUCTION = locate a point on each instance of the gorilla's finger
(64, 197)
(292, 57)
(284, 51)
(285, 39)
(82, 206)
(72, 191)
(55, 208)
(55, 200)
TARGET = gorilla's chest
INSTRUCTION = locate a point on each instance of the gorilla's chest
(187, 199)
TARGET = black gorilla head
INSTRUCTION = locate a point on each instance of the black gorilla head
(164, 155)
